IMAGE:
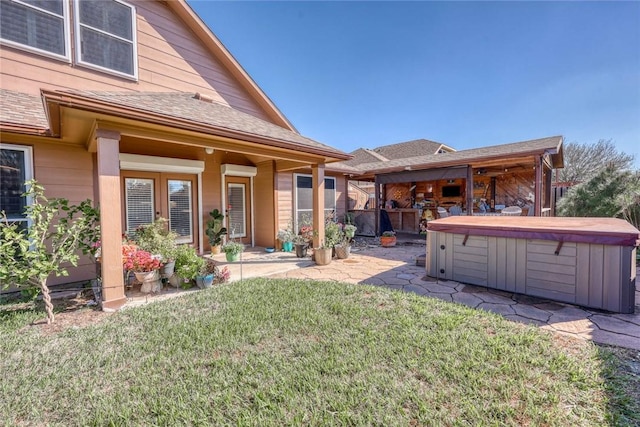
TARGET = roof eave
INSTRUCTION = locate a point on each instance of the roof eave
(80, 102)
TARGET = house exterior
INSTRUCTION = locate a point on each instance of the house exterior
(139, 107)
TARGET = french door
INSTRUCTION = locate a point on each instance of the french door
(151, 195)
(238, 194)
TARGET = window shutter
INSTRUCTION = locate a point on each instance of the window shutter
(139, 202)
(180, 213)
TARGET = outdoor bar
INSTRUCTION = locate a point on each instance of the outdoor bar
(589, 262)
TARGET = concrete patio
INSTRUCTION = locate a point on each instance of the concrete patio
(396, 268)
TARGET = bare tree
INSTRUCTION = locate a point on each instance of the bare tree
(583, 161)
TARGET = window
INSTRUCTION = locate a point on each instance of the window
(36, 25)
(304, 199)
(237, 226)
(105, 36)
(180, 214)
(15, 168)
(140, 204)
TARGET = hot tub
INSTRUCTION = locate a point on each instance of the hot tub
(590, 262)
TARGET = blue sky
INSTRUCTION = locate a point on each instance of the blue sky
(468, 74)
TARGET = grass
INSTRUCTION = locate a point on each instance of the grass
(289, 352)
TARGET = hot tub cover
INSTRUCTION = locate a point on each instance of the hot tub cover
(604, 231)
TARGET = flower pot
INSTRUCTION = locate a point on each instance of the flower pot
(231, 257)
(205, 281)
(176, 281)
(387, 241)
(287, 246)
(301, 250)
(168, 269)
(215, 250)
(150, 281)
(343, 251)
(322, 255)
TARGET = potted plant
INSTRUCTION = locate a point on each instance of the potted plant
(216, 230)
(286, 238)
(301, 244)
(158, 240)
(188, 265)
(343, 247)
(323, 254)
(232, 250)
(388, 239)
(146, 268)
(207, 274)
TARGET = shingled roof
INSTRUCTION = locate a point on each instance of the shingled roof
(456, 158)
(408, 149)
(188, 108)
(19, 110)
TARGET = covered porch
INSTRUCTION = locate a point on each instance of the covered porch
(178, 156)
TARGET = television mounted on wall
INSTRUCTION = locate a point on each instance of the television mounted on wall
(451, 191)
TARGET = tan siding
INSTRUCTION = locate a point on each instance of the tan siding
(170, 58)
(284, 198)
(263, 206)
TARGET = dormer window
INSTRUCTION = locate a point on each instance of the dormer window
(106, 36)
(36, 25)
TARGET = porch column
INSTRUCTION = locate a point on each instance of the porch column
(469, 190)
(317, 182)
(547, 188)
(378, 206)
(108, 146)
(538, 186)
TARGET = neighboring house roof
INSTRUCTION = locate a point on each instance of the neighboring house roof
(22, 112)
(551, 145)
(364, 155)
(186, 109)
(409, 149)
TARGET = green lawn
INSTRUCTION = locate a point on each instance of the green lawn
(290, 352)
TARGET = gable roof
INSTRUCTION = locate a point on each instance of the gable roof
(182, 9)
(550, 145)
(190, 112)
(408, 149)
(364, 155)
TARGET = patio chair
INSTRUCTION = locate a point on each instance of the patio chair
(442, 212)
(512, 211)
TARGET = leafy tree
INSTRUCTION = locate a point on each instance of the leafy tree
(56, 233)
(583, 161)
(610, 193)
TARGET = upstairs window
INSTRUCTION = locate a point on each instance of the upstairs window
(36, 25)
(106, 36)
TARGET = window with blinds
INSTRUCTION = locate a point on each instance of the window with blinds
(38, 25)
(15, 169)
(105, 35)
(237, 214)
(180, 210)
(139, 200)
(304, 199)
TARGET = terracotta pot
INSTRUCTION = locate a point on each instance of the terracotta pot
(388, 241)
(215, 250)
(322, 255)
